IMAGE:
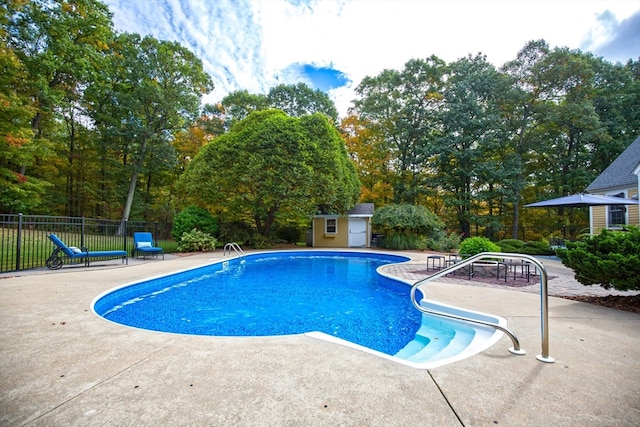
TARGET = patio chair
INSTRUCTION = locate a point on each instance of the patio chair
(143, 244)
(62, 252)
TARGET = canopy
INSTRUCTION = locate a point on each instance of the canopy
(582, 200)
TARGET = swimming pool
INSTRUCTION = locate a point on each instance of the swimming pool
(337, 296)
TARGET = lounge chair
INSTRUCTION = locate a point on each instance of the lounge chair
(62, 251)
(143, 243)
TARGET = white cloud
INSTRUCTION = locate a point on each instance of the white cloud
(251, 44)
(617, 41)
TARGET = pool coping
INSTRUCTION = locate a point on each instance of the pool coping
(61, 365)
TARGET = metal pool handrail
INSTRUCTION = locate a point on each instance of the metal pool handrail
(544, 304)
(232, 245)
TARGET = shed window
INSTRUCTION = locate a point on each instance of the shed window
(331, 225)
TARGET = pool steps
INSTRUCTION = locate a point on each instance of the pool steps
(449, 343)
(544, 296)
(444, 343)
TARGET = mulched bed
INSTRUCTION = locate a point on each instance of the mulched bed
(627, 303)
(490, 278)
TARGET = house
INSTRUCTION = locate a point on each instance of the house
(352, 230)
(621, 179)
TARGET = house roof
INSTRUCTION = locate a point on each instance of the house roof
(620, 171)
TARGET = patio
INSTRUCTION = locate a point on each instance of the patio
(62, 365)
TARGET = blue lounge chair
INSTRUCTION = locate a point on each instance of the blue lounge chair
(143, 243)
(62, 251)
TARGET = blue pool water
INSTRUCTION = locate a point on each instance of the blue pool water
(335, 296)
(337, 293)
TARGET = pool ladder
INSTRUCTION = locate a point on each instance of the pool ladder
(544, 303)
(232, 246)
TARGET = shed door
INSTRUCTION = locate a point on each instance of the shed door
(357, 232)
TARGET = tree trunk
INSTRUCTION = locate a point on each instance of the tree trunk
(520, 149)
(132, 191)
(516, 217)
(132, 186)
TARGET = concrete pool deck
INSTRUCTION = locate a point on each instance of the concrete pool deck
(61, 365)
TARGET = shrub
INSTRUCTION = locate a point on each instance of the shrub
(402, 242)
(191, 218)
(289, 234)
(521, 247)
(260, 242)
(511, 245)
(406, 226)
(476, 245)
(196, 241)
(610, 259)
(537, 248)
(235, 231)
(444, 242)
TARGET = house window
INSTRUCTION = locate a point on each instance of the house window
(617, 215)
(331, 226)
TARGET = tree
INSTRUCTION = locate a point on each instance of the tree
(522, 111)
(296, 100)
(467, 154)
(367, 149)
(237, 106)
(401, 107)
(616, 100)
(16, 134)
(572, 126)
(152, 90)
(567, 131)
(300, 100)
(273, 167)
(58, 47)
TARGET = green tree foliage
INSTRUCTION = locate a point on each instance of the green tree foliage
(475, 143)
(54, 48)
(300, 100)
(89, 119)
(572, 108)
(406, 226)
(469, 154)
(401, 107)
(610, 259)
(238, 105)
(570, 129)
(274, 167)
(521, 110)
(296, 100)
(194, 218)
(476, 245)
(17, 192)
(152, 90)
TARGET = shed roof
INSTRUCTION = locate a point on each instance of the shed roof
(620, 171)
(362, 209)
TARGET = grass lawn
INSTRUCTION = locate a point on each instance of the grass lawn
(35, 246)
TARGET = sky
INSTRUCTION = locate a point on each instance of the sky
(332, 45)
